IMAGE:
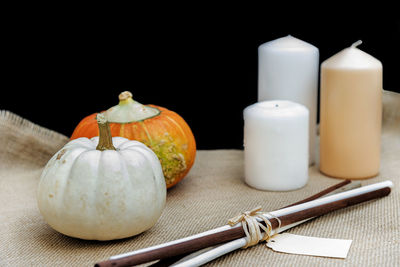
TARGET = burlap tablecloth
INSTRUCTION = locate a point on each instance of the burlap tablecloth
(213, 192)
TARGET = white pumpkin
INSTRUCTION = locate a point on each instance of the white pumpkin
(101, 193)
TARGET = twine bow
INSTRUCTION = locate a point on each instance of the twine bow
(252, 227)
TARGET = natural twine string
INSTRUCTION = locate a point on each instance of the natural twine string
(252, 227)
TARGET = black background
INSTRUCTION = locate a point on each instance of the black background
(61, 68)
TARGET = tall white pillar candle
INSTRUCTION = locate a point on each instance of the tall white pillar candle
(288, 70)
(276, 145)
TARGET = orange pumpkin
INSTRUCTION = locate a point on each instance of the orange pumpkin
(162, 130)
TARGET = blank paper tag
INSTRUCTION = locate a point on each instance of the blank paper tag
(306, 245)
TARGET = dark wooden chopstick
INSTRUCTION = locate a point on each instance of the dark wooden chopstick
(237, 232)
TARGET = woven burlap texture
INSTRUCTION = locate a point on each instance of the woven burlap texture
(213, 192)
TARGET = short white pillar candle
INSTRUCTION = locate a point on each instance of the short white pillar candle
(276, 145)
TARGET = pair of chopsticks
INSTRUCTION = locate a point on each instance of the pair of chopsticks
(232, 237)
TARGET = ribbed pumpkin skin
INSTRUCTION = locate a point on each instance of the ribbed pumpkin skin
(167, 134)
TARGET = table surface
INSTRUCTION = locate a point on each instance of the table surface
(213, 192)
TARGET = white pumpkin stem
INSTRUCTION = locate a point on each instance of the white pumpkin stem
(105, 137)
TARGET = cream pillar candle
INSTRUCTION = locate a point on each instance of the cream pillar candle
(351, 111)
(288, 70)
(276, 145)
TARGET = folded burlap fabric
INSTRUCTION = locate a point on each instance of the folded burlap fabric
(213, 192)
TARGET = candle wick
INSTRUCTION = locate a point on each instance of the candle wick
(356, 43)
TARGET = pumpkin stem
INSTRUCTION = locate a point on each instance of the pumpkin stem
(105, 137)
(125, 98)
